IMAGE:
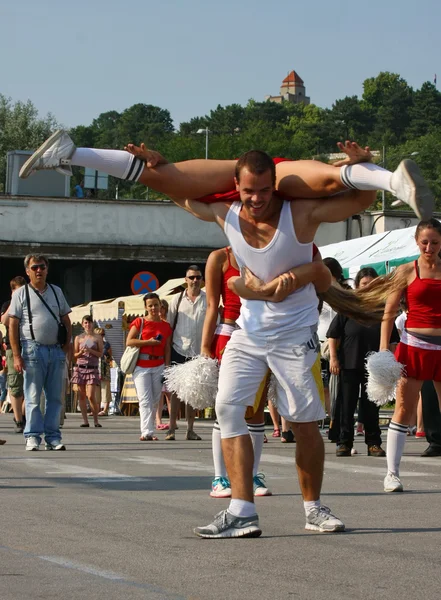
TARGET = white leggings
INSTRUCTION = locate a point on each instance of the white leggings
(231, 418)
(148, 386)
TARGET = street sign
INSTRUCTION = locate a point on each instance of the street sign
(144, 282)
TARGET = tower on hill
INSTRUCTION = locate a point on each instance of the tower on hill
(291, 90)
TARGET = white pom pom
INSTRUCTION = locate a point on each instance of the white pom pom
(272, 390)
(384, 371)
(194, 382)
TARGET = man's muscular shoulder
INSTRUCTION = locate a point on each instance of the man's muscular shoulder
(304, 227)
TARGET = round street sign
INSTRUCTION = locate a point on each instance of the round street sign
(144, 282)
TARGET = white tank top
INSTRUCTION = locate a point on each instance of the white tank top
(282, 253)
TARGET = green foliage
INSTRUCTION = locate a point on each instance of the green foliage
(21, 129)
(389, 113)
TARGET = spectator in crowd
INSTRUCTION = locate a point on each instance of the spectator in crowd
(88, 349)
(105, 363)
(152, 336)
(349, 344)
(79, 190)
(14, 379)
(186, 317)
(40, 333)
(432, 418)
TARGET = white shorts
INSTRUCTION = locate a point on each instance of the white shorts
(293, 357)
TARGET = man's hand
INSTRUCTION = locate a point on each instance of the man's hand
(334, 366)
(151, 157)
(355, 154)
(287, 284)
(19, 364)
(252, 281)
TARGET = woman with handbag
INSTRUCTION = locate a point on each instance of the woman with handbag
(152, 337)
(88, 349)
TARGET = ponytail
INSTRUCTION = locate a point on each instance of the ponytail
(365, 305)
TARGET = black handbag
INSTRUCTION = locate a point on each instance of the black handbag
(62, 329)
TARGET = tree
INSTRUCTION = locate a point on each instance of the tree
(387, 99)
(21, 129)
(425, 114)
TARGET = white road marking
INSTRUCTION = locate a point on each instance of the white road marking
(180, 465)
(347, 467)
(53, 468)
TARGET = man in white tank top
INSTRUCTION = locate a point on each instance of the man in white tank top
(269, 236)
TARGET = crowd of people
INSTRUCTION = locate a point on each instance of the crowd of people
(271, 263)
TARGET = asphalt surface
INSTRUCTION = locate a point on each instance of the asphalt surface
(112, 518)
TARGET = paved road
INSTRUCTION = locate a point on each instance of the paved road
(112, 518)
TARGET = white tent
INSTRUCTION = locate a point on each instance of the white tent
(383, 251)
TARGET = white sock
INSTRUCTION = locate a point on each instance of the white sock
(117, 163)
(311, 505)
(257, 433)
(396, 438)
(218, 457)
(365, 176)
(241, 508)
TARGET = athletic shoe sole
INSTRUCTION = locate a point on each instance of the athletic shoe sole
(220, 494)
(26, 169)
(50, 448)
(260, 493)
(421, 201)
(393, 491)
(312, 527)
(31, 449)
(250, 532)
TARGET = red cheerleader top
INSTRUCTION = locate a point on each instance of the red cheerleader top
(423, 297)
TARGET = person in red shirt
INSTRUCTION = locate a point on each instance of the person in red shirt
(153, 337)
(420, 346)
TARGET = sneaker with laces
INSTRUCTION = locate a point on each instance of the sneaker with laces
(376, 451)
(192, 435)
(321, 519)
(57, 445)
(408, 185)
(32, 443)
(220, 488)
(226, 525)
(392, 483)
(55, 153)
(259, 486)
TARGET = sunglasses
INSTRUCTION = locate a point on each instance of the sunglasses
(193, 277)
(41, 266)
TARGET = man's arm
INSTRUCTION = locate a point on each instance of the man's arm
(340, 207)
(14, 340)
(66, 322)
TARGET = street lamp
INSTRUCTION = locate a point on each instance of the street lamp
(206, 131)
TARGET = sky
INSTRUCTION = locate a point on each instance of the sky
(81, 59)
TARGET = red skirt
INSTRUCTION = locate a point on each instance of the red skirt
(421, 364)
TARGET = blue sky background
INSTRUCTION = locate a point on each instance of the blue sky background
(80, 59)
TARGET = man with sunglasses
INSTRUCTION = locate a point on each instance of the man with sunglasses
(186, 316)
(37, 312)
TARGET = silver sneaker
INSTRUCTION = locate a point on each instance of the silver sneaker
(321, 519)
(32, 443)
(392, 483)
(226, 525)
(408, 185)
(55, 153)
(54, 446)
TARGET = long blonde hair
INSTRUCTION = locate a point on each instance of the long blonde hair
(365, 305)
